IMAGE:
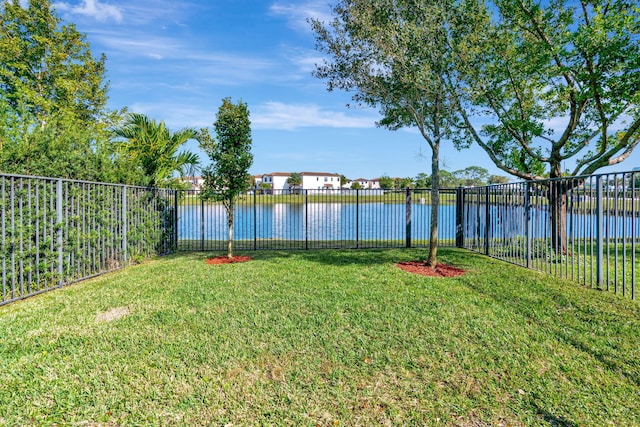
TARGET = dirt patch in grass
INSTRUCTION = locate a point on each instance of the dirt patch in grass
(223, 259)
(112, 314)
(441, 270)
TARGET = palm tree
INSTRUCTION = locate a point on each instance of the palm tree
(155, 147)
(294, 181)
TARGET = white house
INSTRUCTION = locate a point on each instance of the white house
(320, 181)
(366, 184)
(310, 180)
(277, 180)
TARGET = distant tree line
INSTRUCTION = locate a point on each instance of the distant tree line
(468, 177)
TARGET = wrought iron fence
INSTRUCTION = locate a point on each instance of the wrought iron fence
(55, 232)
(314, 219)
(586, 229)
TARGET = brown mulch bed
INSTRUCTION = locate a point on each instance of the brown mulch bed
(223, 259)
(442, 270)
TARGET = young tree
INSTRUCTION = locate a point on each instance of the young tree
(155, 148)
(558, 82)
(226, 178)
(355, 185)
(392, 55)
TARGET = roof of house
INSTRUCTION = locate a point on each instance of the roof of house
(318, 174)
(278, 174)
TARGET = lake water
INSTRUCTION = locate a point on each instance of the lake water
(313, 221)
(377, 221)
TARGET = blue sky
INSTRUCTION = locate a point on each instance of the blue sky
(176, 60)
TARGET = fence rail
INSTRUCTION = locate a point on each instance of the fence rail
(55, 232)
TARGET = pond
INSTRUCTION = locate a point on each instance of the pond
(381, 221)
(313, 221)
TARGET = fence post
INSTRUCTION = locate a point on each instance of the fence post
(459, 217)
(255, 221)
(599, 231)
(487, 221)
(527, 223)
(201, 223)
(408, 219)
(176, 198)
(59, 220)
(124, 224)
(357, 218)
(306, 219)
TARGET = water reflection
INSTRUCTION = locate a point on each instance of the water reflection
(378, 221)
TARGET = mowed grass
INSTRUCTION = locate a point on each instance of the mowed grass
(328, 338)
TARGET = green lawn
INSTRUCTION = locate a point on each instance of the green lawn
(329, 338)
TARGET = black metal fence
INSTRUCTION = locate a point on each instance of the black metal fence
(55, 232)
(314, 219)
(586, 229)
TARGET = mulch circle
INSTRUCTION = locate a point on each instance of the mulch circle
(442, 270)
(223, 259)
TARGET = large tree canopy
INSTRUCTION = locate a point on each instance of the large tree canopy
(47, 68)
(392, 54)
(53, 119)
(557, 83)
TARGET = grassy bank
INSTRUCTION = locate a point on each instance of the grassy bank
(418, 197)
(321, 338)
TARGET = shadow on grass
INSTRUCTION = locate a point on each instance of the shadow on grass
(338, 257)
(577, 317)
(553, 420)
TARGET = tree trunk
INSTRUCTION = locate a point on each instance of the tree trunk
(435, 206)
(230, 218)
(558, 210)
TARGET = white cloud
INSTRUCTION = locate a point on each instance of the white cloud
(277, 115)
(297, 14)
(187, 59)
(176, 115)
(92, 8)
(138, 44)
